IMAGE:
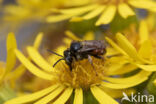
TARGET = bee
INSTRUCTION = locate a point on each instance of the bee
(80, 50)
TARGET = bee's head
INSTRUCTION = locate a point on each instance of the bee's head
(75, 46)
(68, 57)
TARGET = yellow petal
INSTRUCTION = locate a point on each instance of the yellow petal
(32, 68)
(94, 13)
(52, 58)
(145, 50)
(101, 96)
(145, 4)
(58, 18)
(143, 32)
(125, 10)
(78, 10)
(115, 86)
(51, 96)
(67, 41)
(16, 74)
(125, 85)
(150, 20)
(147, 67)
(114, 67)
(154, 82)
(31, 97)
(117, 93)
(107, 15)
(89, 36)
(76, 2)
(153, 9)
(68, 13)
(78, 99)
(114, 45)
(64, 96)
(137, 78)
(11, 58)
(2, 71)
(71, 35)
(110, 50)
(11, 41)
(76, 19)
(122, 70)
(39, 60)
(61, 49)
(127, 46)
(38, 40)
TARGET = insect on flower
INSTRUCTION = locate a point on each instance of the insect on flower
(80, 50)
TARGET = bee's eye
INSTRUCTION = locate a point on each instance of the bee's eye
(69, 59)
(75, 46)
(66, 53)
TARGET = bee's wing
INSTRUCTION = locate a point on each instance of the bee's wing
(91, 45)
(84, 49)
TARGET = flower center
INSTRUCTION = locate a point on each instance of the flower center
(83, 74)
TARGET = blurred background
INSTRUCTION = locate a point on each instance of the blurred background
(26, 18)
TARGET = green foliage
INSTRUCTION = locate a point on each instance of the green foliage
(119, 23)
(88, 98)
(6, 93)
(151, 87)
(82, 27)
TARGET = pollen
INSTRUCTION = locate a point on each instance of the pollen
(83, 74)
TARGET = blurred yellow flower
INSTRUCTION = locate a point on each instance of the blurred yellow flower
(11, 58)
(76, 2)
(83, 77)
(8, 71)
(105, 8)
(30, 9)
(145, 56)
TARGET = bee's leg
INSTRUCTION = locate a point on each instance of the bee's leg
(91, 62)
(99, 57)
(70, 66)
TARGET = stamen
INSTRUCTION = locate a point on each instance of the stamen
(83, 74)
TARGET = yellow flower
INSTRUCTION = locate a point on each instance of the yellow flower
(8, 71)
(143, 56)
(83, 77)
(105, 8)
(76, 2)
(11, 58)
(6, 68)
(30, 9)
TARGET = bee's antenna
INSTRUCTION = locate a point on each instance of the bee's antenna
(58, 61)
(54, 53)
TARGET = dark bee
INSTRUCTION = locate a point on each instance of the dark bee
(80, 50)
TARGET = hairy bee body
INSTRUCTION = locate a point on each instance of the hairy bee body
(80, 50)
